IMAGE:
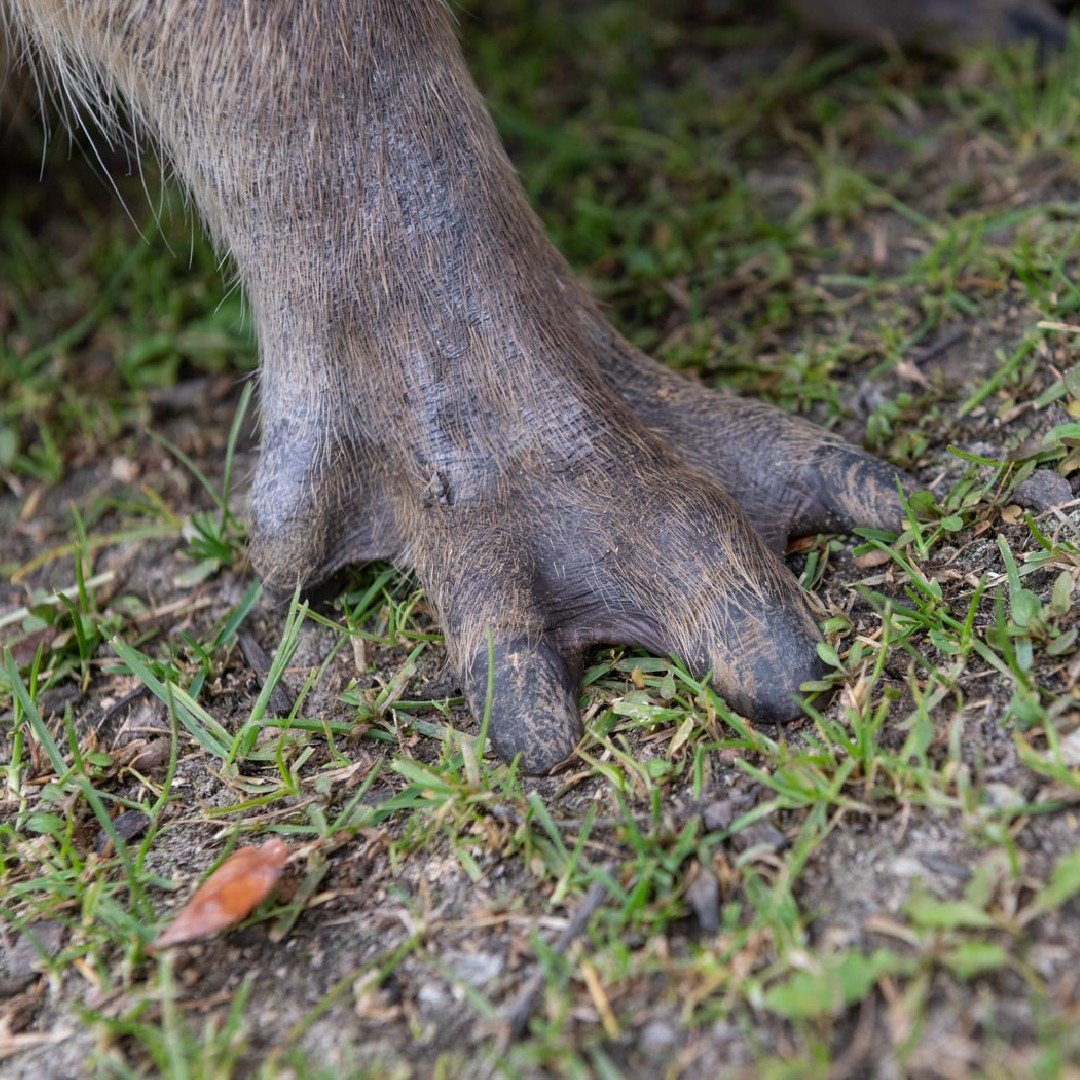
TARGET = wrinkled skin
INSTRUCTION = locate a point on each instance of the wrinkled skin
(437, 390)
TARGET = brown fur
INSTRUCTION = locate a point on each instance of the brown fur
(436, 388)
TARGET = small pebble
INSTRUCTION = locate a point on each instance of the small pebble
(1070, 748)
(703, 896)
(39, 939)
(432, 998)
(1042, 490)
(658, 1037)
(477, 970)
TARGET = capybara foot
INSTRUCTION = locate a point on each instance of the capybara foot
(566, 523)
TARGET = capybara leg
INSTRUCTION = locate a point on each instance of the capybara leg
(436, 388)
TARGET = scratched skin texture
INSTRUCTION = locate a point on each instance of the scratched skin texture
(437, 389)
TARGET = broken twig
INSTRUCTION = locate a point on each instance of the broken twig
(517, 1017)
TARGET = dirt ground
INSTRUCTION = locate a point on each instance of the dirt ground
(887, 888)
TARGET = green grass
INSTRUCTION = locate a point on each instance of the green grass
(807, 224)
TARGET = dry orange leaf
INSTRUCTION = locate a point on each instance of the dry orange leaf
(242, 882)
(867, 559)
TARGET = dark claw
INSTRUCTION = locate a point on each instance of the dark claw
(847, 489)
(769, 654)
(534, 710)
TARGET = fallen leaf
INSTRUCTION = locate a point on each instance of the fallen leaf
(242, 882)
(868, 559)
(907, 370)
(25, 650)
(142, 755)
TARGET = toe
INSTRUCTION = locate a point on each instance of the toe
(759, 670)
(532, 696)
(842, 488)
(758, 643)
(289, 530)
(483, 584)
(726, 604)
(314, 507)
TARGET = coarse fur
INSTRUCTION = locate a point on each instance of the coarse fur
(437, 389)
